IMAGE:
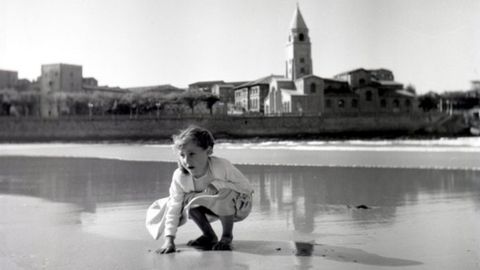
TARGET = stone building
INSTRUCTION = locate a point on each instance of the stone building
(204, 86)
(298, 50)
(57, 78)
(89, 81)
(8, 79)
(61, 78)
(302, 92)
(376, 91)
(250, 96)
(226, 91)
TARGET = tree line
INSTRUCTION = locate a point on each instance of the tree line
(28, 102)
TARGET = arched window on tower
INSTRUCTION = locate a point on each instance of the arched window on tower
(301, 37)
(313, 88)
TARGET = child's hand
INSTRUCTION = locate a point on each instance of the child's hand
(168, 246)
(211, 190)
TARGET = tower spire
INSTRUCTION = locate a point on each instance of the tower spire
(297, 20)
(298, 50)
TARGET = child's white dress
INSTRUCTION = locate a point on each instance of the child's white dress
(234, 198)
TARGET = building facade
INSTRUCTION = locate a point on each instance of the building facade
(204, 86)
(8, 79)
(61, 78)
(57, 78)
(250, 97)
(301, 92)
(226, 91)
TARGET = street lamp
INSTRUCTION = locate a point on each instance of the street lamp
(158, 108)
(90, 109)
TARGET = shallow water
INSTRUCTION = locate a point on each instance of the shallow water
(88, 213)
(458, 153)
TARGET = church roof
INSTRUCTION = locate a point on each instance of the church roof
(297, 20)
(205, 83)
(308, 76)
(263, 80)
(363, 70)
(389, 83)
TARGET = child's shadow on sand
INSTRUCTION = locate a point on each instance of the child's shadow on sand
(307, 249)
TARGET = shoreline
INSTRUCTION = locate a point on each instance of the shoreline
(367, 136)
(439, 155)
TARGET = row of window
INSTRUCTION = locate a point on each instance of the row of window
(354, 103)
(241, 93)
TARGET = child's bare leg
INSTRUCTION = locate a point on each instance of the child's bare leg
(227, 234)
(208, 238)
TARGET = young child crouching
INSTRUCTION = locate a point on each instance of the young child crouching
(204, 188)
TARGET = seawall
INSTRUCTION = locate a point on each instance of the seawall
(152, 128)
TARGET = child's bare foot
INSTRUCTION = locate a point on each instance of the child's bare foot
(204, 242)
(223, 244)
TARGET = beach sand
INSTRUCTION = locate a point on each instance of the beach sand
(41, 235)
(84, 213)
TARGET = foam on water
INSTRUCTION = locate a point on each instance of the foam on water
(467, 144)
(458, 153)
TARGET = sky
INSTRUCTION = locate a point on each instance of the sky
(430, 44)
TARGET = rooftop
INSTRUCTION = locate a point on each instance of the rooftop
(263, 80)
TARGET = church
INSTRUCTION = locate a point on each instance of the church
(300, 92)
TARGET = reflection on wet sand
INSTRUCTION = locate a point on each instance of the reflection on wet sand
(298, 193)
(304, 197)
(367, 195)
(302, 216)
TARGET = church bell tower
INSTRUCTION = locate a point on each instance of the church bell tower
(298, 49)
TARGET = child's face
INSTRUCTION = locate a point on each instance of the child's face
(194, 158)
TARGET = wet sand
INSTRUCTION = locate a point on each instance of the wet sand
(84, 213)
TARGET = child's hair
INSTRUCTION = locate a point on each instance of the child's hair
(198, 135)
